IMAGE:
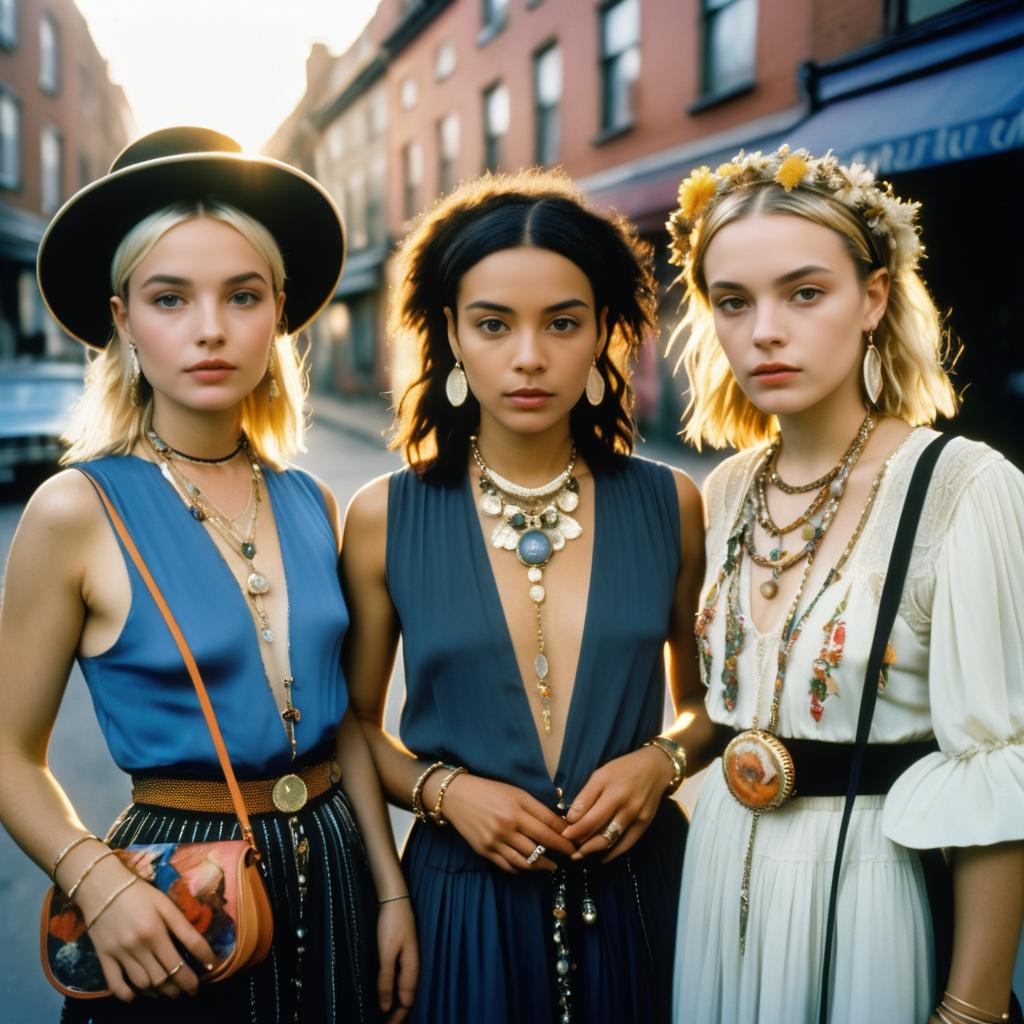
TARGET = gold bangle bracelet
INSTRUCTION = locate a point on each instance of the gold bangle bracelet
(438, 815)
(78, 840)
(85, 874)
(959, 1017)
(977, 1009)
(417, 790)
(110, 899)
(677, 755)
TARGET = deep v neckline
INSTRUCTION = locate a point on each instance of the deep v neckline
(253, 637)
(502, 635)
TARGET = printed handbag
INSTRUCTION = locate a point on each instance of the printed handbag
(218, 886)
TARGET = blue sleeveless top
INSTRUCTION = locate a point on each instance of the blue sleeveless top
(144, 699)
(465, 700)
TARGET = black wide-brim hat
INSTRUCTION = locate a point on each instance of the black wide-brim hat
(183, 164)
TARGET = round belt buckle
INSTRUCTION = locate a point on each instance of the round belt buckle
(289, 794)
(759, 770)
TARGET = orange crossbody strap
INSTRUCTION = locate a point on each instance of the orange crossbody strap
(190, 664)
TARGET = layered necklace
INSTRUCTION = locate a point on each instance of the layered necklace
(759, 770)
(535, 522)
(239, 533)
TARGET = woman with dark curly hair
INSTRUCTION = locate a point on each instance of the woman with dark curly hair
(534, 569)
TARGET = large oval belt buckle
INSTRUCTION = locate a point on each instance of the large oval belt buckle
(759, 770)
(289, 794)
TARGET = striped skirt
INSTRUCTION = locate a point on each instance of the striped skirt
(322, 966)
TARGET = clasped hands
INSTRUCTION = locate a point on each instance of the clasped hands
(515, 831)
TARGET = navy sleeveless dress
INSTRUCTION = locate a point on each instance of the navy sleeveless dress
(323, 963)
(486, 946)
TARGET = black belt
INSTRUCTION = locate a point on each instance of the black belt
(823, 769)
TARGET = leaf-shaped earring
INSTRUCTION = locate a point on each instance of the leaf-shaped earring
(595, 385)
(872, 371)
(456, 387)
(134, 374)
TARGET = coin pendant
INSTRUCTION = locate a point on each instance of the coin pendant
(290, 794)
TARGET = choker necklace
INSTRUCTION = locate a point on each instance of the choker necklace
(535, 523)
(163, 447)
(813, 522)
(203, 510)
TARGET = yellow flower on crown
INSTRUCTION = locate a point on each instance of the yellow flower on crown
(696, 192)
(728, 170)
(791, 171)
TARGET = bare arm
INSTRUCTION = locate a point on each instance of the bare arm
(396, 930)
(46, 604)
(630, 788)
(988, 903)
(491, 816)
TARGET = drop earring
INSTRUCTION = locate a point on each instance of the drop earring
(134, 374)
(273, 391)
(456, 387)
(595, 385)
(872, 371)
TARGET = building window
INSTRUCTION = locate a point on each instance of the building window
(445, 63)
(909, 12)
(412, 173)
(355, 205)
(730, 39)
(495, 14)
(497, 112)
(547, 91)
(378, 113)
(447, 151)
(10, 141)
(51, 149)
(376, 228)
(620, 63)
(408, 94)
(8, 23)
(49, 55)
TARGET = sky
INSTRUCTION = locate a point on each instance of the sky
(235, 65)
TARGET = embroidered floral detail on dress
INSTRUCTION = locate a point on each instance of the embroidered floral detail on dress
(888, 659)
(823, 685)
(734, 629)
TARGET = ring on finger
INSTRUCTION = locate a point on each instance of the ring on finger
(613, 833)
(174, 970)
(538, 851)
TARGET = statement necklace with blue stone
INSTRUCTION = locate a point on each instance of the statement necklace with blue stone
(535, 522)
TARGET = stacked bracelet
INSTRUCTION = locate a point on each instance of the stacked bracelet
(677, 755)
(110, 899)
(438, 815)
(77, 841)
(85, 874)
(417, 790)
(950, 1014)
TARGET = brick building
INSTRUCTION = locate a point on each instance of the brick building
(62, 123)
(629, 95)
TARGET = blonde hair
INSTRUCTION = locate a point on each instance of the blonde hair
(107, 422)
(910, 336)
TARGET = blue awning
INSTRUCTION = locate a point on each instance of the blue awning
(963, 112)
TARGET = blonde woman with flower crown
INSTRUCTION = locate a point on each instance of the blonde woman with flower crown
(813, 346)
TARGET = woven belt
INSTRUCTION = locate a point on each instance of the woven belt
(211, 795)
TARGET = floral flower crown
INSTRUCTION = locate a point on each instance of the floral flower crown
(885, 214)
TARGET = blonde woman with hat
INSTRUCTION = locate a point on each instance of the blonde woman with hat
(185, 269)
(856, 697)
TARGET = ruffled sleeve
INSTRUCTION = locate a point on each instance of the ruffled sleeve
(971, 792)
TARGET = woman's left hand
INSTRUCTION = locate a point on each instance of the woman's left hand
(399, 959)
(625, 793)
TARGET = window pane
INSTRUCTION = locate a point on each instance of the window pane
(8, 22)
(449, 136)
(731, 40)
(497, 110)
(918, 10)
(10, 142)
(620, 27)
(50, 152)
(445, 61)
(48, 55)
(549, 76)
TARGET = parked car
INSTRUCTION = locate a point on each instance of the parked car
(35, 402)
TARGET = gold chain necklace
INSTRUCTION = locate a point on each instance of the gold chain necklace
(534, 525)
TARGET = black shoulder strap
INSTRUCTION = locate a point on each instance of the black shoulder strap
(892, 591)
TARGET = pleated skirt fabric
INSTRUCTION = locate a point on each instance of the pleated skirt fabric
(487, 954)
(322, 967)
(883, 963)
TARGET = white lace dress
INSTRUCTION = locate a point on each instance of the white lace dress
(958, 674)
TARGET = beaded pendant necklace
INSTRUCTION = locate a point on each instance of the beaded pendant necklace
(535, 522)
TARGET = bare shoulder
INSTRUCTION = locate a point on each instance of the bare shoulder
(65, 505)
(688, 492)
(368, 510)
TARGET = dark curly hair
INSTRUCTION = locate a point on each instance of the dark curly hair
(486, 215)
